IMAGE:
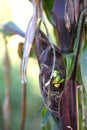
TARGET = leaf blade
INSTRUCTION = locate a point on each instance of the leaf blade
(83, 65)
(10, 28)
(47, 4)
(46, 117)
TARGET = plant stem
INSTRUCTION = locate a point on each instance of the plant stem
(6, 103)
(23, 106)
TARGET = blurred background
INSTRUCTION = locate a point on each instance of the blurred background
(18, 11)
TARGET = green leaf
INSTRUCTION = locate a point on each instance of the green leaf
(46, 114)
(48, 4)
(69, 64)
(44, 128)
(83, 65)
(48, 125)
(10, 28)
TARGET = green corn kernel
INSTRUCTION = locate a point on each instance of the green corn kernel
(57, 79)
(55, 73)
(61, 81)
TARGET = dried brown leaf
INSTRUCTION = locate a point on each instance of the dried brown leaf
(28, 42)
(30, 35)
(51, 94)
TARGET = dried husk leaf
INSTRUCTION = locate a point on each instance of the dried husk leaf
(50, 94)
(40, 38)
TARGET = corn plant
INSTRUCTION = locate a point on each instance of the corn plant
(62, 77)
(63, 65)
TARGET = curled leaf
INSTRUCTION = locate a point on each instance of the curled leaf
(28, 41)
(30, 35)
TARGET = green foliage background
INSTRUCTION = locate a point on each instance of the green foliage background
(13, 10)
(34, 99)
